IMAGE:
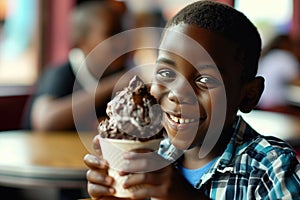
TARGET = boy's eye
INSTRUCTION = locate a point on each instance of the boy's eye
(207, 82)
(166, 74)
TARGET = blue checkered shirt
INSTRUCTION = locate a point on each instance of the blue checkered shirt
(252, 167)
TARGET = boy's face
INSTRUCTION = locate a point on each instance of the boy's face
(190, 84)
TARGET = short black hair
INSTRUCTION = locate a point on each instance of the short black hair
(230, 23)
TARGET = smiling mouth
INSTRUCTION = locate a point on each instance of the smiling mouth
(180, 120)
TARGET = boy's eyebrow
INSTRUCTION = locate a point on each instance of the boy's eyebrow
(198, 67)
(207, 66)
(165, 60)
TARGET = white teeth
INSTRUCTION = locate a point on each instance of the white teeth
(175, 119)
(189, 121)
(181, 120)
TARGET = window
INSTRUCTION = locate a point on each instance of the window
(19, 41)
(270, 17)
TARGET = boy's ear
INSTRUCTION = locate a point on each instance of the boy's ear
(251, 94)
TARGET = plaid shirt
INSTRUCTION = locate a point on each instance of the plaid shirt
(252, 167)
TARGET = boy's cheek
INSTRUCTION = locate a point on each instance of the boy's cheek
(157, 90)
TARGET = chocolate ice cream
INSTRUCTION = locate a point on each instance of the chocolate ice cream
(133, 113)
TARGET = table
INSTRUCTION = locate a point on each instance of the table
(39, 159)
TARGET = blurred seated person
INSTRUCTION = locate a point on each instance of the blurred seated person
(50, 108)
(278, 65)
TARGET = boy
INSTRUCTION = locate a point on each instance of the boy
(242, 164)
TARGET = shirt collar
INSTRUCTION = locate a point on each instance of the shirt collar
(242, 133)
(238, 142)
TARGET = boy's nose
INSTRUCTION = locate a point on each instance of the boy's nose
(182, 92)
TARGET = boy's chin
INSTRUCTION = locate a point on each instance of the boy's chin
(182, 144)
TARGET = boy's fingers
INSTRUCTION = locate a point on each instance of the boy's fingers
(112, 198)
(143, 178)
(94, 162)
(135, 163)
(96, 145)
(147, 192)
(100, 178)
(91, 160)
(98, 191)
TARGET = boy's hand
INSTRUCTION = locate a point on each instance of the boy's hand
(162, 180)
(99, 183)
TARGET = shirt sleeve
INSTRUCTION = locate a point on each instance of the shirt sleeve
(281, 179)
(56, 82)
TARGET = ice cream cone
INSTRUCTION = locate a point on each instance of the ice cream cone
(113, 150)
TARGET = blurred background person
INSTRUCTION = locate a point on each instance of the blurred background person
(51, 106)
(278, 65)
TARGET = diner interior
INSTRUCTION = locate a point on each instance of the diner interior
(34, 36)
